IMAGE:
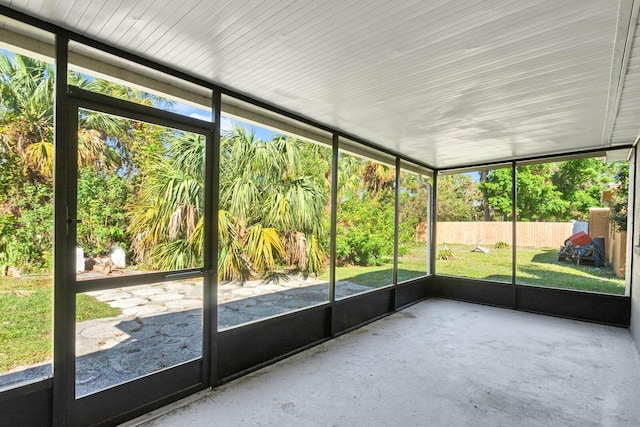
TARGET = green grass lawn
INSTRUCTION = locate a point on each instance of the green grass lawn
(26, 320)
(535, 266)
(26, 307)
(411, 265)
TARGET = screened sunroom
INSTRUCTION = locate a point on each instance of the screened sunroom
(193, 191)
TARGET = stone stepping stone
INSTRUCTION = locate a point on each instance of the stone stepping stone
(193, 292)
(144, 310)
(229, 318)
(112, 296)
(176, 286)
(166, 297)
(128, 302)
(108, 343)
(143, 292)
(245, 292)
(101, 329)
(184, 304)
(294, 303)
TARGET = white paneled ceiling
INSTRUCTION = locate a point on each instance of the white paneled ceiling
(446, 82)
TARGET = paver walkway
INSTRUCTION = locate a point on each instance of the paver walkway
(161, 325)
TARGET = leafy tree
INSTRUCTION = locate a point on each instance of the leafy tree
(561, 191)
(26, 156)
(581, 182)
(271, 210)
(620, 200)
(365, 230)
(165, 215)
(26, 132)
(537, 196)
(414, 205)
(496, 193)
(102, 206)
(365, 211)
(458, 198)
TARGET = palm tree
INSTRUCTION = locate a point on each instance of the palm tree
(26, 112)
(270, 210)
(165, 217)
(270, 214)
(26, 141)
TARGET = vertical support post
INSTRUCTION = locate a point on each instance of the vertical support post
(514, 229)
(633, 239)
(429, 229)
(63, 249)
(432, 225)
(334, 219)
(210, 249)
(396, 226)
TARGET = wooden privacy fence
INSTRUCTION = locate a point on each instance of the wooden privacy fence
(533, 234)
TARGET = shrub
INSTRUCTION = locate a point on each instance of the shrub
(445, 254)
(361, 247)
(501, 245)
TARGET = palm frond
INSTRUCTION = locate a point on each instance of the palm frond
(39, 157)
(263, 246)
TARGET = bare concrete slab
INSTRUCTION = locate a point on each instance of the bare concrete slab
(440, 363)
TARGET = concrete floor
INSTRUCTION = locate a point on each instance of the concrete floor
(440, 363)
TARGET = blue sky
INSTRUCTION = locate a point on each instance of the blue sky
(226, 123)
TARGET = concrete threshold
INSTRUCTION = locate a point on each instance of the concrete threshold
(438, 363)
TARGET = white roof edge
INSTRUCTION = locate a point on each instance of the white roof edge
(627, 20)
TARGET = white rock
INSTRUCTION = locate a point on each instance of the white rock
(79, 260)
(118, 257)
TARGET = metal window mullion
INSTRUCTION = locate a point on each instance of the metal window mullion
(64, 296)
(432, 224)
(212, 206)
(334, 219)
(633, 242)
(514, 231)
(396, 223)
(134, 111)
(430, 229)
(330, 325)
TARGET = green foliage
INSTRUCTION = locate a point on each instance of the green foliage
(274, 201)
(501, 245)
(538, 197)
(101, 206)
(457, 198)
(496, 190)
(164, 215)
(365, 229)
(561, 191)
(360, 247)
(445, 254)
(414, 205)
(26, 164)
(581, 182)
(620, 199)
(26, 229)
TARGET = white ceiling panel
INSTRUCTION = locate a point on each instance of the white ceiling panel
(444, 82)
